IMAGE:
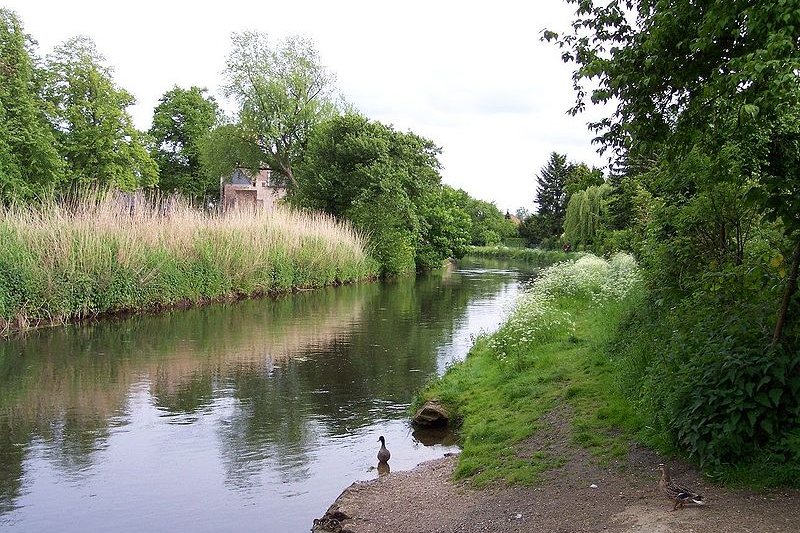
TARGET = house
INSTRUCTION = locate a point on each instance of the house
(513, 218)
(254, 191)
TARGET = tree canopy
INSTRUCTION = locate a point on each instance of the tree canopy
(180, 121)
(704, 132)
(388, 182)
(29, 163)
(95, 133)
(282, 91)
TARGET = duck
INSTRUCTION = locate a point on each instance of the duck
(383, 453)
(675, 492)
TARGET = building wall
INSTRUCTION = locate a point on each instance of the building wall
(261, 195)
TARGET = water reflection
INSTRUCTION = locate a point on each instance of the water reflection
(210, 419)
(383, 469)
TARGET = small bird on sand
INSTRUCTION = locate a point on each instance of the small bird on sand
(383, 453)
(677, 493)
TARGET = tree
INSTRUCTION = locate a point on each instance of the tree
(282, 92)
(180, 120)
(586, 215)
(29, 163)
(714, 80)
(487, 224)
(706, 121)
(580, 177)
(388, 183)
(95, 133)
(551, 195)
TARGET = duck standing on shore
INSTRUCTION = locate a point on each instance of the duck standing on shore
(383, 453)
(677, 493)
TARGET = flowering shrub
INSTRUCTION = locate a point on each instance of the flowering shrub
(538, 315)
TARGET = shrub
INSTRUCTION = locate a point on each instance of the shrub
(704, 373)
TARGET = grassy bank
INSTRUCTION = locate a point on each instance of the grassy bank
(549, 353)
(534, 256)
(62, 262)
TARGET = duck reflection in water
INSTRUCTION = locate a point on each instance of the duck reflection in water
(383, 469)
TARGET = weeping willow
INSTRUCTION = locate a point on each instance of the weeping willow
(583, 216)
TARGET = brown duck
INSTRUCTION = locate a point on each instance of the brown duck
(677, 493)
(383, 453)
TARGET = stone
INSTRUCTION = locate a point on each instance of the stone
(432, 414)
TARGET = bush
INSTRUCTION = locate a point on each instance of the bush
(703, 372)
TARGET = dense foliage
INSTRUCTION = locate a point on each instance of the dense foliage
(557, 182)
(586, 210)
(705, 136)
(29, 163)
(180, 121)
(94, 132)
(488, 225)
(388, 183)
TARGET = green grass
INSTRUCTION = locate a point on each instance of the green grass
(500, 400)
(564, 348)
(533, 256)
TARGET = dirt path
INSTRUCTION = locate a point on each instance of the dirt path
(626, 498)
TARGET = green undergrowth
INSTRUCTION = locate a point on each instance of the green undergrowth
(549, 355)
(534, 256)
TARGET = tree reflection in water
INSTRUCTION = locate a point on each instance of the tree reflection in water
(276, 378)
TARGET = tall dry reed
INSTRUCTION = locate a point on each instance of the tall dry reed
(106, 253)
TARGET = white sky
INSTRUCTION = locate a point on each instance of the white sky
(473, 77)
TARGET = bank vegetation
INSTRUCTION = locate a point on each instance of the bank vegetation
(104, 254)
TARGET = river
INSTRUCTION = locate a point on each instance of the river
(250, 416)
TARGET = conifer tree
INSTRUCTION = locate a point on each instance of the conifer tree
(551, 193)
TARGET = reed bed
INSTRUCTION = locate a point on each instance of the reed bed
(111, 253)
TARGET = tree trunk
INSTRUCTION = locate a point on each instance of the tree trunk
(791, 286)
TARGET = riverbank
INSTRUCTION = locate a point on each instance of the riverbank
(533, 256)
(549, 441)
(97, 257)
(583, 494)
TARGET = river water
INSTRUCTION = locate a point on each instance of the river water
(251, 416)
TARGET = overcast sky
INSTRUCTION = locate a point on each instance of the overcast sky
(474, 78)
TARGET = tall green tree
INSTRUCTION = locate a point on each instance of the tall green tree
(551, 192)
(95, 133)
(586, 215)
(180, 120)
(580, 177)
(709, 81)
(282, 92)
(388, 183)
(546, 225)
(29, 163)
(488, 225)
(705, 118)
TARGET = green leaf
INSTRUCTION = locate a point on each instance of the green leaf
(775, 396)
